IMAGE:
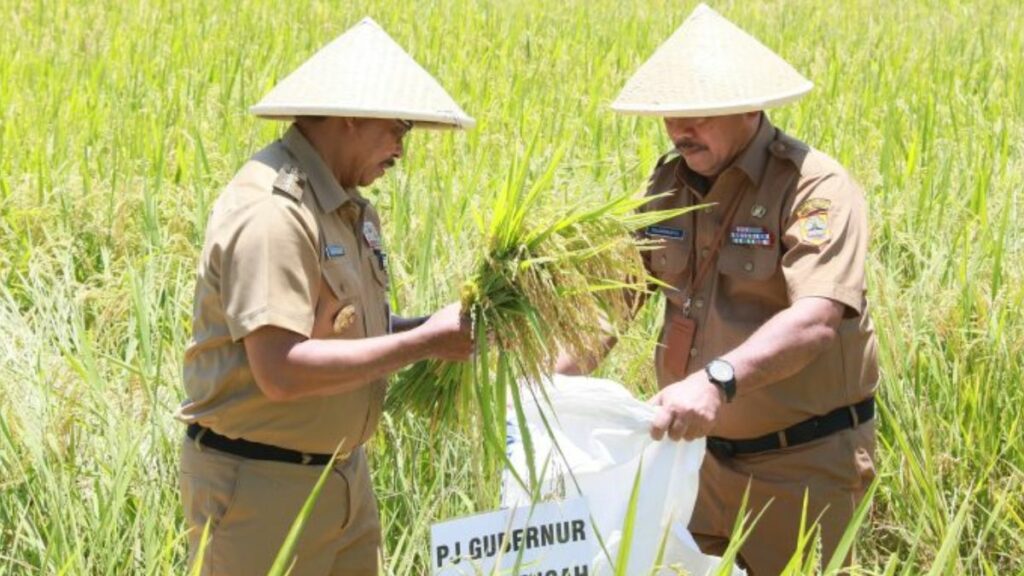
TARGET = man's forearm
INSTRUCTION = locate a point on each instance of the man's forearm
(786, 344)
(286, 365)
(324, 367)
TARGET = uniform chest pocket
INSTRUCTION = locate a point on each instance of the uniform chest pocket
(340, 310)
(669, 260)
(757, 263)
(342, 276)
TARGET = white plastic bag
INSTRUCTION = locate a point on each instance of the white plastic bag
(601, 432)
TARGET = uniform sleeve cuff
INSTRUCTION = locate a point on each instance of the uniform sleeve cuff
(247, 323)
(852, 298)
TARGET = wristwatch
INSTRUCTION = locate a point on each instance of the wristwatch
(721, 374)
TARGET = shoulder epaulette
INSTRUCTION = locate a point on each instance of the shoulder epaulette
(785, 146)
(290, 181)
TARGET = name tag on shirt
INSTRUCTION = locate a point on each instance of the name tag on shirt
(666, 232)
(334, 251)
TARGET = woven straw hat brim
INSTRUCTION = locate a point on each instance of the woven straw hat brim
(700, 110)
(710, 67)
(419, 119)
(363, 74)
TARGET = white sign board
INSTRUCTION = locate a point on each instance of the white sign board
(550, 539)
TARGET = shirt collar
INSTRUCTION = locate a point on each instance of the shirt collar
(329, 194)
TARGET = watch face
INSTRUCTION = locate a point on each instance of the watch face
(720, 371)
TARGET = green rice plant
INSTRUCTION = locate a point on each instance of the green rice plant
(845, 546)
(629, 524)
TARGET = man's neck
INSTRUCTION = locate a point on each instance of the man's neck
(329, 148)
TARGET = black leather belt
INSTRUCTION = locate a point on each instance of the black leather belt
(802, 433)
(253, 450)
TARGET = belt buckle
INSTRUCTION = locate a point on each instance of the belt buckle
(720, 447)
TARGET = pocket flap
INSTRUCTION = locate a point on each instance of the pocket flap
(750, 262)
(675, 237)
(340, 274)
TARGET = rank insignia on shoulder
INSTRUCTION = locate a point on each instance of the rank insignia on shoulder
(666, 232)
(334, 251)
(290, 181)
(751, 236)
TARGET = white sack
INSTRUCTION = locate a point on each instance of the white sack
(602, 431)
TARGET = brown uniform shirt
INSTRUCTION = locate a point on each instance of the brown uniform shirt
(285, 246)
(800, 231)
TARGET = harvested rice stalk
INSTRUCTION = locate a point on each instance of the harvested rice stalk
(544, 280)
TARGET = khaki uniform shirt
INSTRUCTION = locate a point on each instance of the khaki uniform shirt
(285, 246)
(800, 231)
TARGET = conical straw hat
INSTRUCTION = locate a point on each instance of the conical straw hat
(709, 67)
(363, 74)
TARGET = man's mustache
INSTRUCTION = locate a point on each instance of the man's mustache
(688, 144)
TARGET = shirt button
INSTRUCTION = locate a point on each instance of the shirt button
(749, 266)
(699, 302)
(693, 352)
(704, 252)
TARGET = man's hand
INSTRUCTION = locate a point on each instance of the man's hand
(447, 334)
(687, 409)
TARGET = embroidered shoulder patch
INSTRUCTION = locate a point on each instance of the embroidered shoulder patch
(813, 222)
(814, 228)
(812, 205)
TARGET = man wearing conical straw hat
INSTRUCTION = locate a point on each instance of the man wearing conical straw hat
(767, 347)
(292, 332)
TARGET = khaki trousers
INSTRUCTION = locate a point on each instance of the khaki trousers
(834, 472)
(251, 505)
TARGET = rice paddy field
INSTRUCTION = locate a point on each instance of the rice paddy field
(121, 121)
